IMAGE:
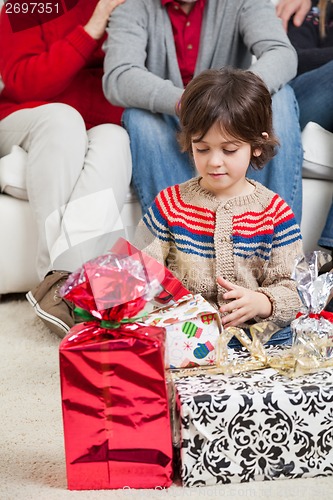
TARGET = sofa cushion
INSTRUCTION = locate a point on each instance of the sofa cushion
(318, 152)
(13, 173)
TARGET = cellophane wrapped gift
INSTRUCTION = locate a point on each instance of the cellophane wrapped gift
(313, 326)
(193, 330)
(113, 380)
(312, 348)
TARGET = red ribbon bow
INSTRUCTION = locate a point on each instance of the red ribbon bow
(323, 314)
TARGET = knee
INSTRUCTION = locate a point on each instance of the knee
(139, 122)
(285, 94)
(156, 131)
(112, 143)
(108, 133)
(62, 124)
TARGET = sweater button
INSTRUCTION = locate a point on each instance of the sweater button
(227, 206)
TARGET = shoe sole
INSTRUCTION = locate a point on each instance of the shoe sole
(55, 324)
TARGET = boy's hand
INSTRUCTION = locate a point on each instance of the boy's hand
(244, 304)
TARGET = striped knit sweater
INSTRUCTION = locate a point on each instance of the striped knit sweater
(250, 240)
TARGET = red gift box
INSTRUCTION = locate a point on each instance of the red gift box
(114, 393)
(115, 407)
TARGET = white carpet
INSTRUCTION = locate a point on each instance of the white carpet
(32, 463)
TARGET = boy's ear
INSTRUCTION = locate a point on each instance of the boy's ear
(257, 152)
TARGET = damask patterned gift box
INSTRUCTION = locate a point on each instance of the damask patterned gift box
(255, 426)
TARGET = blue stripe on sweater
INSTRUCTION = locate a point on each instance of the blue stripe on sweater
(176, 230)
(184, 239)
(284, 239)
(253, 239)
(247, 252)
(253, 253)
(285, 233)
(158, 232)
(289, 227)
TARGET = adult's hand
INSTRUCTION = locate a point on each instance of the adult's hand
(286, 8)
(96, 25)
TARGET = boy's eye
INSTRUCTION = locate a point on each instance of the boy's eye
(229, 151)
(225, 151)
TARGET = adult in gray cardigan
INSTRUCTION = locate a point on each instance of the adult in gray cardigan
(155, 47)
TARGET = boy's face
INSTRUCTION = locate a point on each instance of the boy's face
(222, 161)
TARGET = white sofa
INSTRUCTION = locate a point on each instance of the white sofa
(19, 241)
(317, 182)
(18, 231)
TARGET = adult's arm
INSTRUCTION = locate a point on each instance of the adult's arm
(39, 63)
(32, 70)
(127, 82)
(275, 57)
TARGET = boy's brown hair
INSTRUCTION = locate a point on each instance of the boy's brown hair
(238, 100)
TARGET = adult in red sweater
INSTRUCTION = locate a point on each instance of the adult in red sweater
(78, 163)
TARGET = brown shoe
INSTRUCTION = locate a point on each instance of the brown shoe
(56, 312)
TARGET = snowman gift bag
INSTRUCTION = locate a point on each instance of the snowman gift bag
(193, 332)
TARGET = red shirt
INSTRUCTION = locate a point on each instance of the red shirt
(56, 61)
(186, 31)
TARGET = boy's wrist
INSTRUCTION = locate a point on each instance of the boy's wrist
(265, 306)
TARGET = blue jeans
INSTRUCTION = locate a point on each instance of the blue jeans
(314, 91)
(158, 162)
(282, 337)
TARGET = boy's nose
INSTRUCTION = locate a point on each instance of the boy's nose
(216, 159)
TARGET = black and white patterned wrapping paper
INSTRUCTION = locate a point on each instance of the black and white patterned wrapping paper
(255, 426)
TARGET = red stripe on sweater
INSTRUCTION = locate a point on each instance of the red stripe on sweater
(271, 210)
(277, 210)
(180, 206)
(181, 203)
(256, 224)
(167, 204)
(182, 221)
(258, 228)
